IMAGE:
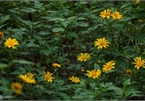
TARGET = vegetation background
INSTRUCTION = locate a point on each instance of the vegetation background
(49, 50)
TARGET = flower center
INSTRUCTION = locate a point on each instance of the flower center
(102, 43)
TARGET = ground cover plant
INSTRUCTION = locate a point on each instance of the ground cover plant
(72, 50)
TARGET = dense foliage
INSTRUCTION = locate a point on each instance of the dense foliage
(72, 50)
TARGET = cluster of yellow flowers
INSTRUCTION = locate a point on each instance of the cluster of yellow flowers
(95, 73)
(28, 78)
(103, 43)
(108, 13)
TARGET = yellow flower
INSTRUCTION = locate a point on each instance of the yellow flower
(27, 79)
(116, 15)
(94, 73)
(108, 66)
(56, 65)
(138, 62)
(137, 1)
(83, 57)
(48, 76)
(31, 75)
(17, 87)
(10, 43)
(128, 72)
(2, 35)
(74, 79)
(102, 42)
(106, 14)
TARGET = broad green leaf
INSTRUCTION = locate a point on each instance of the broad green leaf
(31, 45)
(2, 65)
(57, 29)
(22, 62)
(72, 34)
(92, 84)
(126, 82)
(83, 24)
(43, 33)
(28, 10)
(96, 66)
(37, 4)
(5, 18)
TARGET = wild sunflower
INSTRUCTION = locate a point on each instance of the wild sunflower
(16, 87)
(10, 43)
(116, 15)
(108, 66)
(101, 43)
(105, 14)
(48, 76)
(27, 79)
(139, 62)
(94, 73)
(83, 57)
(74, 79)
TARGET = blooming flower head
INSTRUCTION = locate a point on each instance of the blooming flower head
(128, 72)
(83, 57)
(26, 78)
(102, 42)
(10, 43)
(138, 62)
(56, 65)
(74, 79)
(2, 35)
(106, 14)
(116, 15)
(108, 66)
(94, 73)
(16, 87)
(48, 76)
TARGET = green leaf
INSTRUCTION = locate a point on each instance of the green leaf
(65, 23)
(43, 33)
(126, 82)
(96, 66)
(72, 34)
(28, 10)
(57, 29)
(2, 65)
(83, 24)
(22, 62)
(31, 45)
(5, 18)
(92, 84)
(37, 4)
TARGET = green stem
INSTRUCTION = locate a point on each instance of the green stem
(9, 53)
